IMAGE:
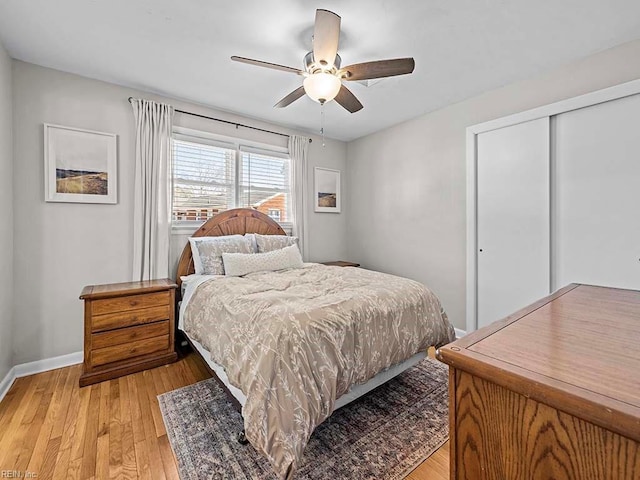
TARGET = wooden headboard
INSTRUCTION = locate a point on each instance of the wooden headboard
(232, 222)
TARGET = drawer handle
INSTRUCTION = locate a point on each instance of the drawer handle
(133, 303)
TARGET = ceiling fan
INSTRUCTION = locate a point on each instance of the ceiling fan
(322, 72)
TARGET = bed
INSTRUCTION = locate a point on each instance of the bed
(290, 347)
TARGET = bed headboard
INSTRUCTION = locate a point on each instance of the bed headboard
(232, 222)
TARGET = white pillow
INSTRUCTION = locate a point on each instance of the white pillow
(207, 252)
(239, 264)
(268, 243)
(251, 237)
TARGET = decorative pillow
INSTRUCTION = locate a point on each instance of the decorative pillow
(207, 252)
(251, 237)
(268, 243)
(239, 264)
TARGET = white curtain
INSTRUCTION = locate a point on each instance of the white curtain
(298, 148)
(152, 190)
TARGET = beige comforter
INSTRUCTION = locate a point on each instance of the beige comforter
(295, 340)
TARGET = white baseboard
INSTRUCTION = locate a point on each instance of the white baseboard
(460, 333)
(30, 368)
(46, 364)
(6, 382)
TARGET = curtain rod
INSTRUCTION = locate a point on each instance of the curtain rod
(228, 122)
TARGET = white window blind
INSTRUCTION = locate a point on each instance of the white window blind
(210, 177)
(203, 180)
(264, 183)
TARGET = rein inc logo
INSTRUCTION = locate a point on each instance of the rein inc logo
(17, 474)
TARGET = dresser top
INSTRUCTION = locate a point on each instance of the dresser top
(126, 288)
(577, 350)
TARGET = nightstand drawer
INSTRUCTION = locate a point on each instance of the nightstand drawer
(125, 351)
(110, 321)
(130, 334)
(130, 302)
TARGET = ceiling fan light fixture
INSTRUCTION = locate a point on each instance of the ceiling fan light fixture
(323, 73)
(322, 87)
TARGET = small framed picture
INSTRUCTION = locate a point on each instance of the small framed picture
(79, 165)
(327, 190)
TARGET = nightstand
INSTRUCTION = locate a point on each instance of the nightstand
(128, 327)
(341, 263)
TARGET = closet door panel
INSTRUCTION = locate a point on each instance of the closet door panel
(513, 218)
(596, 195)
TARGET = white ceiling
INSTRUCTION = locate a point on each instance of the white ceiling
(182, 48)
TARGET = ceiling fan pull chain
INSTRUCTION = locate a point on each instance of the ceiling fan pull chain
(322, 122)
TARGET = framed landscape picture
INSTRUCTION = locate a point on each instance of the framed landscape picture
(79, 165)
(327, 190)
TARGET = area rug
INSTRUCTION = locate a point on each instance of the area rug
(383, 435)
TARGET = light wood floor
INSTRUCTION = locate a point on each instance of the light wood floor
(54, 429)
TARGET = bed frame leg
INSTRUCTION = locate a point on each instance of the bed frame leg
(242, 439)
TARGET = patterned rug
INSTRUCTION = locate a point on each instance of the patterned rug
(383, 435)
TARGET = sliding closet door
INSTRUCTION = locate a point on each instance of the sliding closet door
(513, 218)
(596, 195)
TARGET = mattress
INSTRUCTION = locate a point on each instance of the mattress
(355, 392)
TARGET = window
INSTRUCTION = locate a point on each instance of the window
(210, 176)
(275, 214)
(203, 180)
(264, 183)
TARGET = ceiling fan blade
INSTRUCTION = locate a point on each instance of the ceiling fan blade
(348, 100)
(326, 35)
(378, 69)
(289, 99)
(260, 63)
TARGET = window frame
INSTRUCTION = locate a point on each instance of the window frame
(270, 215)
(240, 145)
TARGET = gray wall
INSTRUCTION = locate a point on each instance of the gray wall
(6, 214)
(405, 194)
(66, 246)
(406, 197)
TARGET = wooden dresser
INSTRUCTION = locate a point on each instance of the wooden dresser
(128, 327)
(341, 263)
(550, 392)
